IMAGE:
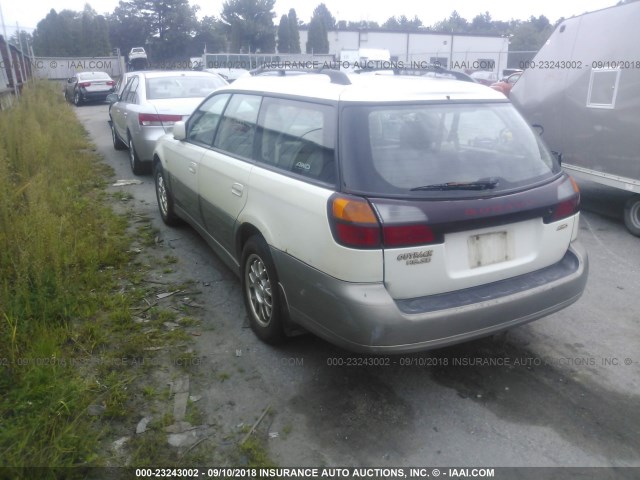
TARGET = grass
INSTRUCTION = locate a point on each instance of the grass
(68, 294)
(60, 245)
(76, 325)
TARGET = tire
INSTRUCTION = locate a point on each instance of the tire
(260, 291)
(77, 99)
(134, 160)
(163, 195)
(632, 215)
(117, 143)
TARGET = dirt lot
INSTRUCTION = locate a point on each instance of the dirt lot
(562, 391)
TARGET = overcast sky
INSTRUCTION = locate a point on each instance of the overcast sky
(27, 13)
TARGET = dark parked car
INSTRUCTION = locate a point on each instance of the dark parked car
(88, 87)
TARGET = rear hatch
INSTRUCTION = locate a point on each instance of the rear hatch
(465, 193)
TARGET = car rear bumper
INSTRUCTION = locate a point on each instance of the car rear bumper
(95, 96)
(145, 141)
(364, 317)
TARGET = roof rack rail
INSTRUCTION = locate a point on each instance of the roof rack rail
(336, 76)
(431, 67)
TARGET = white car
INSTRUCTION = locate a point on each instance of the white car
(137, 53)
(384, 214)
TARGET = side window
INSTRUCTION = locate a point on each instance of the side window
(298, 137)
(204, 121)
(238, 125)
(603, 88)
(127, 89)
(132, 96)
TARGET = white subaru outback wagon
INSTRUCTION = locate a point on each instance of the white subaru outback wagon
(384, 214)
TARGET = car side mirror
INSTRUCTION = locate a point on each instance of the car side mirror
(180, 130)
(70, 80)
(113, 98)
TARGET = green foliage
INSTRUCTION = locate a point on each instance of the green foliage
(70, 33)
(284, 33)
(318, 37)
(403, 23)
(294, 33)
(249, 24)
(323, 13)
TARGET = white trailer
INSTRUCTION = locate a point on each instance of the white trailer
(583, 88)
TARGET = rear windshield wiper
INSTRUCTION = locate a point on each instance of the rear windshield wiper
(479, 185)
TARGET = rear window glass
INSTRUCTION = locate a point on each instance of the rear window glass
(182, 86)
(401, 150)
(94, 76)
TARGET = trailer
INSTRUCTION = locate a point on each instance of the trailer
(583, 89)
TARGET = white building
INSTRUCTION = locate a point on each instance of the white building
(462, 52)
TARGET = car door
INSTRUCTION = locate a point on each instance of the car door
(183, 158)
(119, 112)
(224, 170)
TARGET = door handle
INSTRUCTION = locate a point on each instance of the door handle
(192, 167)
(237, 189)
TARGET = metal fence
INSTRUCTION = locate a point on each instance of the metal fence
(15, 71)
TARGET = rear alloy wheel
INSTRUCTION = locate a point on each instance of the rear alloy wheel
(77, 99)
(632, 215)
(134, 159)
(260, 291)
(163, 195)
(117, 143)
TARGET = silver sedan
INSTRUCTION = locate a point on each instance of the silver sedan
(150, 104)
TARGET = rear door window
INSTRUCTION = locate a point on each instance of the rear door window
(298, 137)
(238, 125)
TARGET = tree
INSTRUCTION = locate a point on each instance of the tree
(127, 29)
(403, 23)
(210, 36)
(294, 33)
(323, 13)
(455, 23)
(22, 40)
(171, 24)
(70, 33)
(318, 39)
(250, 25)
(284, 35)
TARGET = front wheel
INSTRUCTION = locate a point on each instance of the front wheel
(632, 215)
(163, 195)
(260, 291)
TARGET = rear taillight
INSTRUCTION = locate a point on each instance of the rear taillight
(355, 224)
(408, 235)
(157, 120)
(111, 83)
(84, 84)
(568, 201)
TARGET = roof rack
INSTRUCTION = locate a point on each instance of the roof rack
(336, 76)
(429, 68)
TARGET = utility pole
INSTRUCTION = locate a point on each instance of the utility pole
(22, 62)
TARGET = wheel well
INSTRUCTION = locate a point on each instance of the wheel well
(245, 232)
